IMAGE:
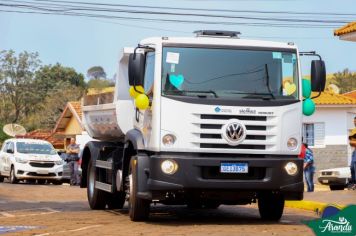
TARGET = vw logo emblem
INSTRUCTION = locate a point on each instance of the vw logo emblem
(234, 132)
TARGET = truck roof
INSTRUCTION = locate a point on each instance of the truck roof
(218, 41)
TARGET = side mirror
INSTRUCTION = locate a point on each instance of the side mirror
(10, 151)
(136, 69)
(318, 75)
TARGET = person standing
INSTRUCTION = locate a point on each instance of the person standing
(353, 169)
(309, 168)
(72, 158)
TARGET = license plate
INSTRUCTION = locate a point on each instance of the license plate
(325, 181)
(233, 168)
(42, 172)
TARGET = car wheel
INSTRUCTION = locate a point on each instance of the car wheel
(336, 187)
(270, 206)
(13, 179)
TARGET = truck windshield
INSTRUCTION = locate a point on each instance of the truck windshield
(230, 73)
(35, 148)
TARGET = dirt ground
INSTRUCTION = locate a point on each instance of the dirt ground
(63, 210)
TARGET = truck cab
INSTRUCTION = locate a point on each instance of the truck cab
(202, 121)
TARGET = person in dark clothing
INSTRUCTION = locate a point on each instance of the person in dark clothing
(309, 168)
(72, 158)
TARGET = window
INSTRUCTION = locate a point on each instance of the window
(314, 134)
(149, 73)
(4, 147)
(230, 73)
(11, 146)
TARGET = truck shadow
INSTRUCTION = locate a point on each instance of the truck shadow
(224, 215)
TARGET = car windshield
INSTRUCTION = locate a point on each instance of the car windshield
(35, 148)
(230, 73)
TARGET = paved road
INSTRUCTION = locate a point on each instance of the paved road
(63, 210)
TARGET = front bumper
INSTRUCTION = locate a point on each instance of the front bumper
(26, 171)
(203, 173)
(332, 180)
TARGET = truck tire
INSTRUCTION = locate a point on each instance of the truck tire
(12, 177)
(1, 179)
(270, 206)
(97, 198)
(139, 209)
(117, 200)
(337, 187)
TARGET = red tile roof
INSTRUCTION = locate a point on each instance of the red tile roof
(44, 135)
(351, 94)
(328, 98)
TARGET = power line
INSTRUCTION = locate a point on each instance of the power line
(176, 20)
(198, 9)
(77, 8)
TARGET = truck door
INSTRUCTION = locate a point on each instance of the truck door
(143, 119)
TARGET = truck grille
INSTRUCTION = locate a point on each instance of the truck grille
(261, 132)
(42, 164)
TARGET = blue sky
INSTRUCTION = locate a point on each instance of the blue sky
(83, 42)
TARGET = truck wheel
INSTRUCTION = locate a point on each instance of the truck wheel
(13, 179)
(117, 200)
(270, 206)
(336, 187)
(96, 197)
(1, 179)
(139, 209)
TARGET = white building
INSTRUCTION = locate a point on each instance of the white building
(326, 131)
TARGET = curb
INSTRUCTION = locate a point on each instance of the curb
(310, 205)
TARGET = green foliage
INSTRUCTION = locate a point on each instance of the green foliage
(345, 80)
(100, 83)
(96, 72)
(34, 95)
(3, 136)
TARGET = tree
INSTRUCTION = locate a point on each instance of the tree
(96, 72)
(345, 80)
(48, 76)
(16, 77)
(49, 110)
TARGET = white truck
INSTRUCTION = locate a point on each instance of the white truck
(216, 120)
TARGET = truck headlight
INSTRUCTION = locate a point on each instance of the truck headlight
(169, 167)
(292, 143)
(168, 139)
(291, 168)
(21, 160)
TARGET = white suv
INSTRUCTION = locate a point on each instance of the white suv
(30, 159)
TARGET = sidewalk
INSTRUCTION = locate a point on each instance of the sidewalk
(316, 201)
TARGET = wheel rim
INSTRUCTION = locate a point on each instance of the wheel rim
(91, 182)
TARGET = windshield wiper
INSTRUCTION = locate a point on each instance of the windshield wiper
(267, 80)
(181, 92)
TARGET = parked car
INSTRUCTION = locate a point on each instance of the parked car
(30, 159)
(66, 170)
(336, 178)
